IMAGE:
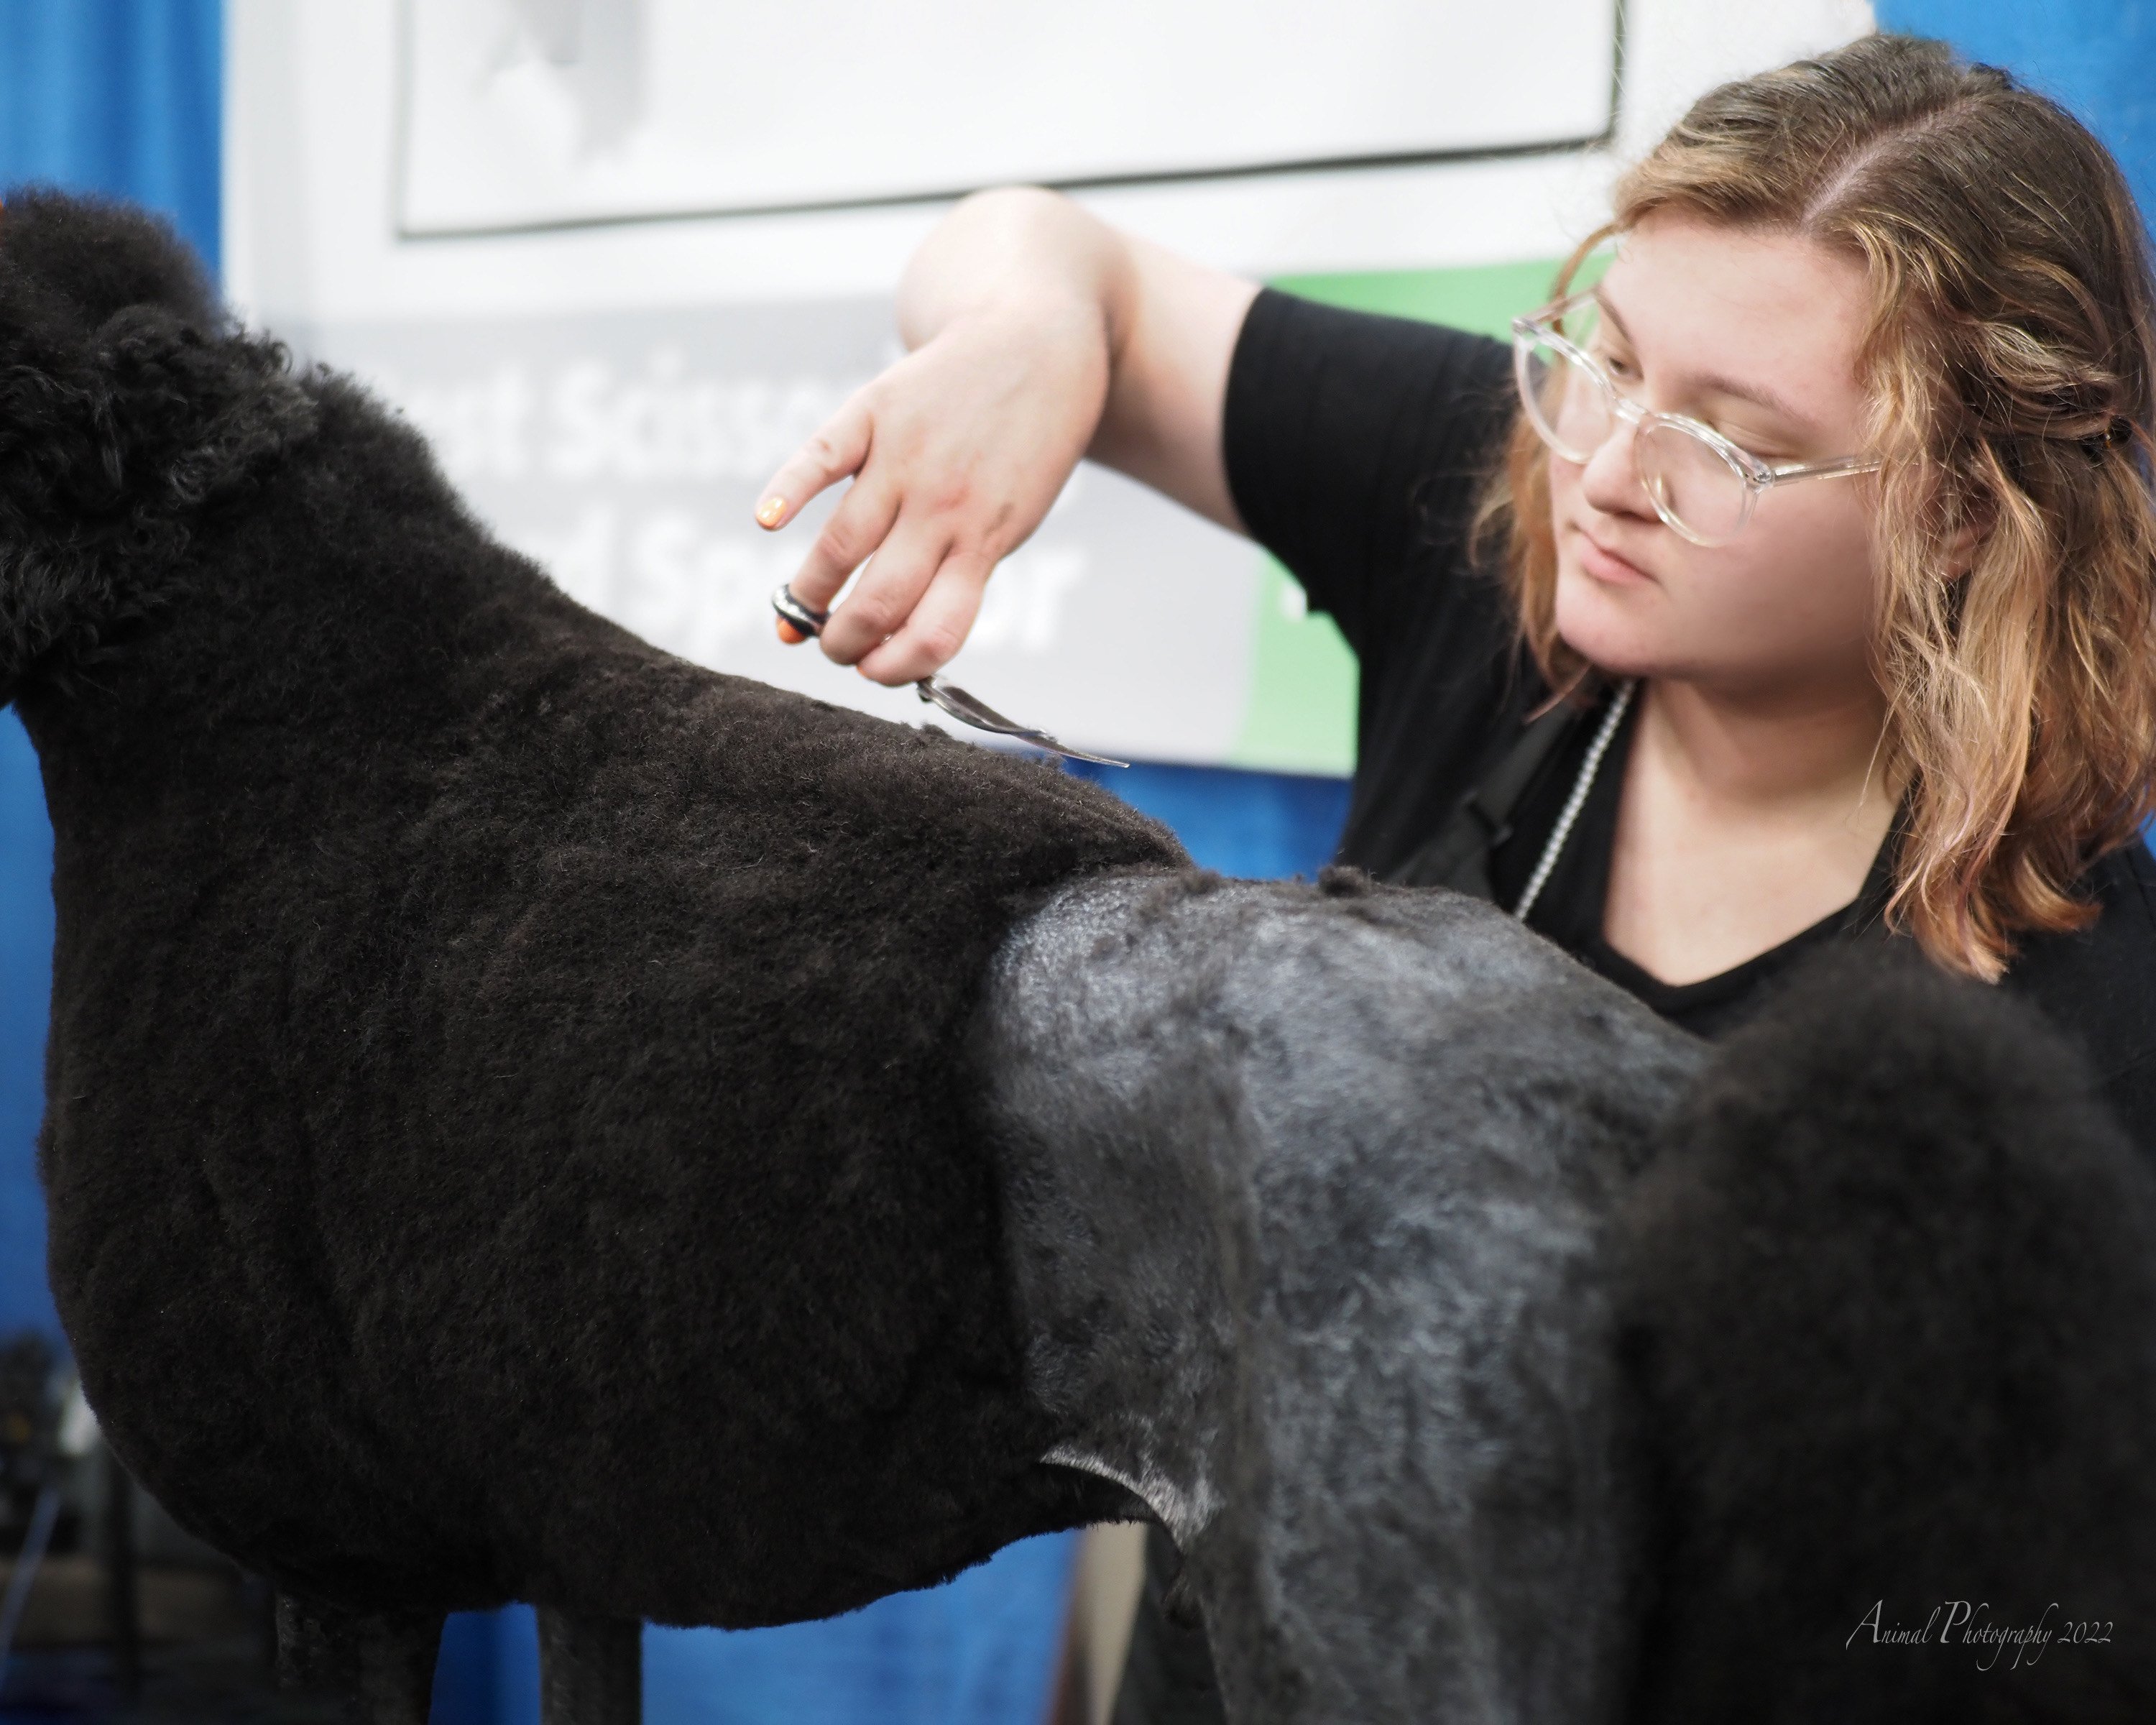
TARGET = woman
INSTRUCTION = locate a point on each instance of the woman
(1828, 534)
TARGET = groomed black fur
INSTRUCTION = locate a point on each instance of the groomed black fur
(503, 1138)
(1308, 1195)
(1890, 1291)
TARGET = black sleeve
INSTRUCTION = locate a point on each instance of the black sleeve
(1348, 437)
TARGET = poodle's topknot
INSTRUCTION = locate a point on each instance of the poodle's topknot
(128, 402)
(93, 257)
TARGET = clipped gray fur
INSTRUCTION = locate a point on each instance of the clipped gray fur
(1306, 1197)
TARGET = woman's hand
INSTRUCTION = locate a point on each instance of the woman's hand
(956, 453)
(1039, 335)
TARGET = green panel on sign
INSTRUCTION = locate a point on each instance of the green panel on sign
(1301, 712)
(1485, 299)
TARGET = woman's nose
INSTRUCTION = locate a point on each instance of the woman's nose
(1611, 480)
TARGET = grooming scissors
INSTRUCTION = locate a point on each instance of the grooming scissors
(965, 708)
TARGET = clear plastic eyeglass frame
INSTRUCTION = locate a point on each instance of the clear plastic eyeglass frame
(1746, 470)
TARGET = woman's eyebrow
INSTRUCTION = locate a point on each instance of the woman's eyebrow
(1714, 384)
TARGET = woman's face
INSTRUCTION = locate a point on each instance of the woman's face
(1756, 334)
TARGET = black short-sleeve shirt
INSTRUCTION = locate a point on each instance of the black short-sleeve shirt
(1357, 447)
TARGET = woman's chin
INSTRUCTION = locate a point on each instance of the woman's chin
(1608, 626)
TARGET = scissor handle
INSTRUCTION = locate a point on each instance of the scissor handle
(801, 619)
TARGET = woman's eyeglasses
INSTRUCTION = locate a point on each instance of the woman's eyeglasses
(1701, 484)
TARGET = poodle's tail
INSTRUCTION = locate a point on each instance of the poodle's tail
(1889, 1299)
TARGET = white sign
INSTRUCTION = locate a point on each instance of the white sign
(529, 113)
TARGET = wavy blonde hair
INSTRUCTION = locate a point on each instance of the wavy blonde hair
(2008, 361)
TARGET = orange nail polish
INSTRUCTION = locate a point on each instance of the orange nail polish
(770, 510)
(786, 633)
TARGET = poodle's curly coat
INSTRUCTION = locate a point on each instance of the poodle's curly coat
(504, 1134)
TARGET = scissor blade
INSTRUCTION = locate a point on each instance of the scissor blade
(953, 700)
(970, 709)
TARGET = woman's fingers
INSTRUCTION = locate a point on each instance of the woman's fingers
(936, 627)
(837, 449)
(855, 530)
(890, 587)
(963, 443)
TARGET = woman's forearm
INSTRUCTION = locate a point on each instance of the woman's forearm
(1161, 326)
(1022, 253)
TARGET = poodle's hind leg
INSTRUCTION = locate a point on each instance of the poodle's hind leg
(591, 1669)
(383, 1666)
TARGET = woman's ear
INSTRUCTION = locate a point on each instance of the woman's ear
(1966, 523)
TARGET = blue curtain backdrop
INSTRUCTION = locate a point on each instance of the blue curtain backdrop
(120, 97)
(2097, 57)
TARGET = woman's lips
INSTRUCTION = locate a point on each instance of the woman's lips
(1605, 564)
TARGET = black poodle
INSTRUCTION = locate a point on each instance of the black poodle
(529, 1118)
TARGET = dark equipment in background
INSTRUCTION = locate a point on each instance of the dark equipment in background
(91, 1571)
(30, 1474)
